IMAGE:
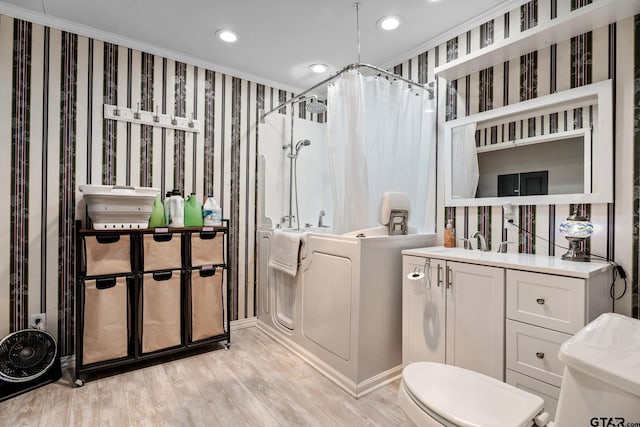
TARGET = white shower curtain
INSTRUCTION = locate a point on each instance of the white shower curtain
(381, 138)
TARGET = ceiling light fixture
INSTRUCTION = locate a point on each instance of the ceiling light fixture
(318, 68)
(389, 23)
(227, 35)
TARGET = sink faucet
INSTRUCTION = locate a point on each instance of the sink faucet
(466, 243)
(502, 248)
(483, 241)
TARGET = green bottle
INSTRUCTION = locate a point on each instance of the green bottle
(157, 214)
(192, 212)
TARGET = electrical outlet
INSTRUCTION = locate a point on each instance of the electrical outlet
(508, 212)
(38, 321)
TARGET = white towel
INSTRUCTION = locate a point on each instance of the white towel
(285, 251)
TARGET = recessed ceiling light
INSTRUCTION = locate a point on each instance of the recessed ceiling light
(318, 68)
(389, 23)
(227, 35)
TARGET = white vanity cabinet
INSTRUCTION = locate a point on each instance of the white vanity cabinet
(454, 315)
(544, 311)
(424, 312)
(504, 315)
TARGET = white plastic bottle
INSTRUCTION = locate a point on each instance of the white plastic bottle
(211, 212)
(176, 209)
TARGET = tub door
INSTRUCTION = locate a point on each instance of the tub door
(326, 305)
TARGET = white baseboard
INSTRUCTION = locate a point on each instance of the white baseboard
(244, 323)
(347, 384)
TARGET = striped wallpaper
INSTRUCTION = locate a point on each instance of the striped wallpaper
(597, 55)
(53, 85)
(52, 88)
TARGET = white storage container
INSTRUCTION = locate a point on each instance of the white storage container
(119, 207)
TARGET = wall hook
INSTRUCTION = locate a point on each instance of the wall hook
(155, 116)
(191, 121)
(116, 112)
(174, 121)
(136, 115)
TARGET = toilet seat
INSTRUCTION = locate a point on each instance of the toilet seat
(459, 397)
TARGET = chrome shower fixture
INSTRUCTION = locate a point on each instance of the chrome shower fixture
(299, 145)
(302, 143)
(315, 106)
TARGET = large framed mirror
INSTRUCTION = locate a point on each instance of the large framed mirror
(555, 149)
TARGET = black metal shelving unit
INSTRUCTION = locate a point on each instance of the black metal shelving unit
(214, 238)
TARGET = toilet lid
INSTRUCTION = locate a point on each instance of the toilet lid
(467, 398)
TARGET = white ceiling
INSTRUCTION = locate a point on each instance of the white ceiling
(279, 39)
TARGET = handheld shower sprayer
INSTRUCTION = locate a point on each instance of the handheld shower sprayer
(298, 146)
(302, 143)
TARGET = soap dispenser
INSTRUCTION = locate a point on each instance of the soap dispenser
(449, 235)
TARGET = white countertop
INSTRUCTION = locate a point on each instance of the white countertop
(515, 261)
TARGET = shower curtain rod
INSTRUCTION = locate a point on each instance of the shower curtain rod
(427, 86)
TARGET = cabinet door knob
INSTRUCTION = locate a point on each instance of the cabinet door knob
(540, 355)
(540, 301)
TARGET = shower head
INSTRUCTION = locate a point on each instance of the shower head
(315, 106)
(296, 150)
(302, 143)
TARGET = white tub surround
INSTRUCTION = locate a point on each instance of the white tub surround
(502, 314)
(342, 312)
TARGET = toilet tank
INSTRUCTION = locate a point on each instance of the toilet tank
(601, 382)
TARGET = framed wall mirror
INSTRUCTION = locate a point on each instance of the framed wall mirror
(553, 149)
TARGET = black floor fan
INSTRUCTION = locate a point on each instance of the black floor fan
(28, 359)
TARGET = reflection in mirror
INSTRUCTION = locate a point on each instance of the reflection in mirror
(561, 161)
(465, 167)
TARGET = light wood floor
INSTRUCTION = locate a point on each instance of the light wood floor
(255, 383)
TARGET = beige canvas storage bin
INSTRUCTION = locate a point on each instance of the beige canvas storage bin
(207, 314)
(162, 251)
(160, 311)
(207, 248)
(106, 326)
(107, 254)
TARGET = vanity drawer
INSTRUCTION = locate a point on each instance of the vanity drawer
(547, 392)
(533, 351)
(554, 302)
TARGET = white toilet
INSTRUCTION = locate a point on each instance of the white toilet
(601, 379)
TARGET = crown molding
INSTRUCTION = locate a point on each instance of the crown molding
(455, 31)
(38, 17)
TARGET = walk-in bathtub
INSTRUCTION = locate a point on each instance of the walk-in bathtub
(342, 312)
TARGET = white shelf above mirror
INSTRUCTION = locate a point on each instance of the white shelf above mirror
(582, 131)
(543, 35)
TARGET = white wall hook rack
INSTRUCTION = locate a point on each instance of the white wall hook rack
(135, 115)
